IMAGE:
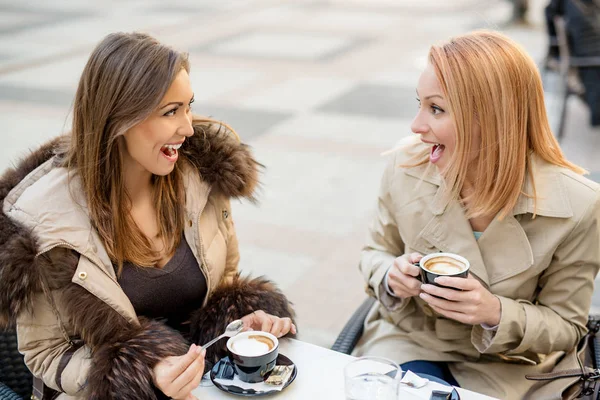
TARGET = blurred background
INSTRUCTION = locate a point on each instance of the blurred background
(318, 88)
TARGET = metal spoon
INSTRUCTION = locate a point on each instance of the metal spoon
(232, 329)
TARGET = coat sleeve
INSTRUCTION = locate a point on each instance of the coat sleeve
(47, 353)
(557, 319)
(383, 243)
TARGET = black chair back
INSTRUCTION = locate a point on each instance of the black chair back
(13, 372)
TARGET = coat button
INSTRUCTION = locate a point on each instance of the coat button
(190, 223)
(225, 214)
(82, 275)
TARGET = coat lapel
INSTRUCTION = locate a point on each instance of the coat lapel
(503, 250)
(450, 232)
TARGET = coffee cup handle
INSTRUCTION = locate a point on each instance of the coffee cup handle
(420, 276)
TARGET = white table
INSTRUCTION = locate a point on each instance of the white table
(320, 376)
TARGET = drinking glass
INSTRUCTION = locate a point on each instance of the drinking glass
(372, 378)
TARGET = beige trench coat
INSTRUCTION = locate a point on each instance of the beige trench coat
(43, 203)
(542, 269)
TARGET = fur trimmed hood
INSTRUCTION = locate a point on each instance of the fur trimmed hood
(221, 160)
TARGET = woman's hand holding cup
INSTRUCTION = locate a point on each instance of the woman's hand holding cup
(472, 304)
(403, 276)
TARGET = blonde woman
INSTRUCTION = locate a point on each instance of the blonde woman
(483, 177)
(117, 245)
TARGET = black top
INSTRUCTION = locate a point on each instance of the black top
(169, 293)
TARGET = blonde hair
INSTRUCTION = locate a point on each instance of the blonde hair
(123, 81)
(489, 80)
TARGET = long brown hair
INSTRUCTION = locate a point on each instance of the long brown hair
(125, 78)
(489, 80)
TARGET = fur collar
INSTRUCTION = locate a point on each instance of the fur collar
(221, 160)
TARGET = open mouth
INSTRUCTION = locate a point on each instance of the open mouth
(436, 152)
(170, 151)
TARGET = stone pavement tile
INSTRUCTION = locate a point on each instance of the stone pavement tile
(346, 149)
(323, 17)
(27, 126)
(298, 93)
(535, 44)
(63, 98)
(281, 267)
(62, 75)
(376, 101)
(248, 123)
(581, 142)
(211, 81)
(12, 20)
(418, 8)
(15, 18)
(288, 45)
(288, 238)
(348, 20)
(405, 76)
(191, 9)
(89, 30)
(327, 295)
(313, 191)
(357, 129)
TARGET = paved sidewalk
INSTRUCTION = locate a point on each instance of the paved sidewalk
(318, 88)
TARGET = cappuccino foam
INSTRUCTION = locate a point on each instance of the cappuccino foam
(444, 266)
(253, 345)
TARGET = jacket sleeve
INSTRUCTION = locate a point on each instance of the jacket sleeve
(47, 353)
(383, 243)
(557, 320)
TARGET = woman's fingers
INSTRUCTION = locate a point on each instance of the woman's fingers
(402, 290)
(403, 285)
(406, 267)
(470, 283)
(193, 384)
(457, 316)
(288, 326)
(414, 258)
(442, 303)
(172, 367)
(445, 293)
(190, 373)
(260, 320)
(276, 326)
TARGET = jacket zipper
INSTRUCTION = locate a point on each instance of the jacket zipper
(204, 266)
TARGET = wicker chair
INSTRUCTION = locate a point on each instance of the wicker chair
(15, 378)
(353, 329)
